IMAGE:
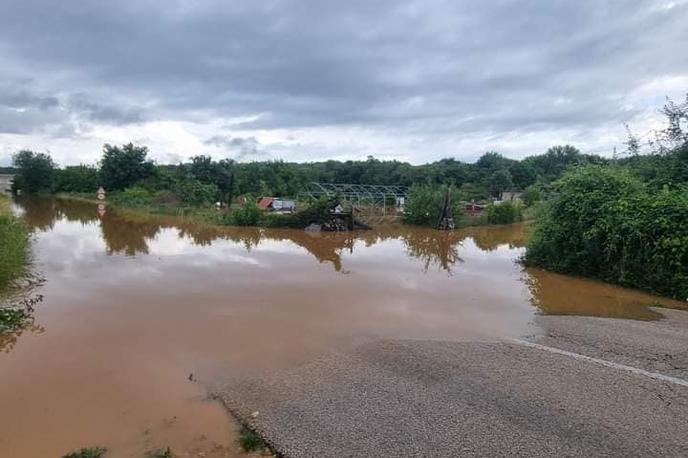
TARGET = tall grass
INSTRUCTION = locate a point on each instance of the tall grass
(14, 244)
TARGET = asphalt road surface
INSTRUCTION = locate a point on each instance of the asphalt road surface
(587, 387)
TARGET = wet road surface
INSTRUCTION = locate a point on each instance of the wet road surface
(424, 398)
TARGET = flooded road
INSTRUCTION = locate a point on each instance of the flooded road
(141, 314)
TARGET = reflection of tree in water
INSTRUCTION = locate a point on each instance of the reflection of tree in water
(434, 248)
(123, 235)
(247, 236)
(326, 247)
(129, 233)
(41, 213)
(489, 238)
(9, 337)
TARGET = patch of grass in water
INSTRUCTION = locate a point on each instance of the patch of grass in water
(88, 452)
(11, 318)
(160, 453)
(251, 441)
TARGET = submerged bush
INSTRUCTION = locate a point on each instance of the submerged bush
(603, 223)
(504, 213)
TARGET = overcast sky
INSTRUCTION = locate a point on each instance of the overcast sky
(305, 80)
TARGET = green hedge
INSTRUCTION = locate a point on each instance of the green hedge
(602, 222)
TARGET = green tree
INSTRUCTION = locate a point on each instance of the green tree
(523, 174)
(210, 172)
(531, 195)
(79, 178)
(35, 171)
(424, 204)
(124, 166)
(500, 181)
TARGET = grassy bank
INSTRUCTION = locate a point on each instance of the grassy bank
(14, 245)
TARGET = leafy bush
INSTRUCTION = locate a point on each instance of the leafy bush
(424, 204)
(135, 196)
(604, 223)
(14, 244)
(249, 215)
(80, 178)
(504, 213)
(193, 192)
(531, 195)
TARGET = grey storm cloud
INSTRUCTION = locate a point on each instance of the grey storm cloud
(239, 148)
(422, 67)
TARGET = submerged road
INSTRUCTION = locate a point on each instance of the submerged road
(585, 387)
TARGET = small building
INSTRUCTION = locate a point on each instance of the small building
(274, 204)
(510, 196)
(6, 181)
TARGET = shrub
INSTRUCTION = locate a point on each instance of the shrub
(80, 178)
(193, 192)
(249, 215)
(135, 196)
(424, 204)
(603, 223)
(504, 213)
(531, 195)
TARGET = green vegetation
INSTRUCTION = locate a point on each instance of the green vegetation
(248, 215)
(14, 245)
(90, 452)
(605, 223)
(35, 172)
(425, 203)
(161, 453)
(251, 441)
(12, 318)
(623, 223)
(504, 213)
(125, 166)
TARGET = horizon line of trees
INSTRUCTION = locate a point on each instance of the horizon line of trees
(128, 166)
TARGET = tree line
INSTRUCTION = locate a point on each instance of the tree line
(203, 180)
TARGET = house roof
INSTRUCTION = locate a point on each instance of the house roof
(265, 202)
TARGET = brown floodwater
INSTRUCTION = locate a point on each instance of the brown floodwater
(134, 305)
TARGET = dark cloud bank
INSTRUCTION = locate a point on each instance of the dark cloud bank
(429, 71)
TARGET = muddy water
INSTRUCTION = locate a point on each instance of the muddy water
(134, 307)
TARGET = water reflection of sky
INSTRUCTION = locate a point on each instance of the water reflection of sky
(416, 282)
